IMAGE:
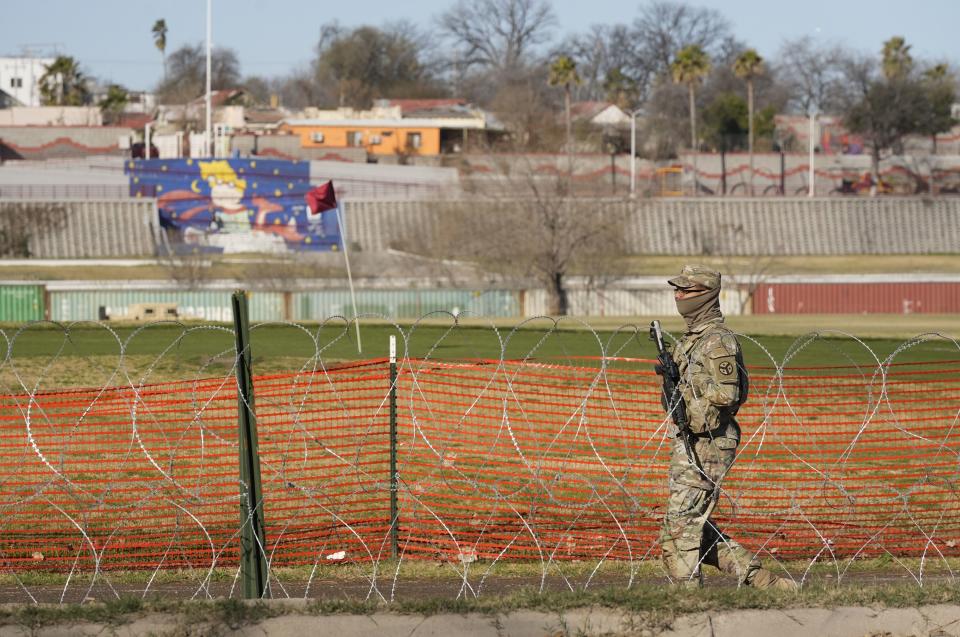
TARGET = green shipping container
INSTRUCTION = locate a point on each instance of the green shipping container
(405, 304)
(21, 303)
(205, 305)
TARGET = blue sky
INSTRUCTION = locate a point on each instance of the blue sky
(111, 38)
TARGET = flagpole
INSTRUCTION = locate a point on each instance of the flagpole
(346, 260)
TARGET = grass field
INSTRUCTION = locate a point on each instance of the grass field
(88, 355)
(181, 352)
(254, 267)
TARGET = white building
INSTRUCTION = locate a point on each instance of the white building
(600, 114)
(20, 78)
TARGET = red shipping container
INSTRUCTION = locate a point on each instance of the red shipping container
(857, 298)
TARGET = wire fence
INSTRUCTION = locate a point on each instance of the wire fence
(119, 458)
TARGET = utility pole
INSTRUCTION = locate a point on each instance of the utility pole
(209, 139)
(812, 174)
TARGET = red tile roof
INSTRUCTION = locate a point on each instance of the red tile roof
(134, 120)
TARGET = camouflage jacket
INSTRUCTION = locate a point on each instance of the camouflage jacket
(713, 379)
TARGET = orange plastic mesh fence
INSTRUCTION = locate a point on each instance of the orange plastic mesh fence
(497, 460)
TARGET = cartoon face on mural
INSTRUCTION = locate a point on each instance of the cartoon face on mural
(226, 189)
(226, 196)
(234, 205)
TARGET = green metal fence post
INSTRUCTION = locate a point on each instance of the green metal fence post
(394, 521)
(253, 562)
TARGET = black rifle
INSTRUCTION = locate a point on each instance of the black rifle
(670, 398)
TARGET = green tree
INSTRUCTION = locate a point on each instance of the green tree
(747, 67)
(563, 72)
(689, 67)
(725, 125)
(897, 61)
(113, 103)
(367, 63)
(941, 95)
(888, 111)
(620, 89)
(63, 84)
(159, 32)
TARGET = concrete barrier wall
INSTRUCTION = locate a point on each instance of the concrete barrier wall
(43, 142)
(796, 226)
(94, 228)
(827, 226)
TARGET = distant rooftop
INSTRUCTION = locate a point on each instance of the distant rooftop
(441, 113)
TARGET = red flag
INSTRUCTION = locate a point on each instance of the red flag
(321, 198)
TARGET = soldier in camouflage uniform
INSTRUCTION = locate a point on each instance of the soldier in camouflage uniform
(713, 383)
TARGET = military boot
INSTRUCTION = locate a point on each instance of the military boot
(759, 577)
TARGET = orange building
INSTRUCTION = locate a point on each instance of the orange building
(401, 127)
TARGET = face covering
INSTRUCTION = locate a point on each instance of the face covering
(697, 309)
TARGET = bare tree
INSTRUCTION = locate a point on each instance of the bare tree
(186, 75)
(525, 108)
(602, 53)
(189, 270)
(298, 89)
(524, 225)
(664, 27)
(813, 74)
(497, 34)
(22, 222)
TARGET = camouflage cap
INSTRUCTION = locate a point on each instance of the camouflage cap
(696, 276)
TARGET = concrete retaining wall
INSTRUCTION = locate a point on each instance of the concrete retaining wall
(42, 142)
(829, 226)
(796, 226)
(94, 228)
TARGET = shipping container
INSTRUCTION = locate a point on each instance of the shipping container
(21, 303)
(902, 297)
(404, 304)
(207, 305)
(652, 301)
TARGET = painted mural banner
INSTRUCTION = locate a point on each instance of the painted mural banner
(234, 205)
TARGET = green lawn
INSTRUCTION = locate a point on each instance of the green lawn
(253, 267)
(171, 352)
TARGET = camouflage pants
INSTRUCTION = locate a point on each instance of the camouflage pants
(689, 537)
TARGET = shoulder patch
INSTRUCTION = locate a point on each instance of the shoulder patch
(723, 366)
(722, 348)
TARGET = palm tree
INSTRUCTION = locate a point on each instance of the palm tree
(160, 41)
(113, 103)
(748, 66)
(563, 72)
(690, 66)
(62, 83)
(897, 61)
